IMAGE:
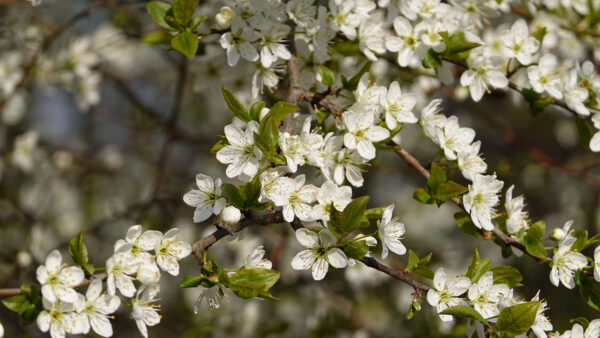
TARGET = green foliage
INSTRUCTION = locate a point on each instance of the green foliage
(256, 109)
(466, 224)
(517, 319)
(532, 238)
(457, 48)
(478, 267)
(250, 283)
(244, 197)
(439, 188)
(465, 312)
(156, 37)
(588, 288)
(582, 240)
(183, 10)
(235, 106)
(79, 253)
(537, 103)
(221, 142)
(185, 42)
(585, 131)
(27, 305)
(508, 275)
(159, 10)
(352, 83)
(419, 265)
(327, 76)
(343, 223)
(280, 110)
(356, 249)
(195, 281)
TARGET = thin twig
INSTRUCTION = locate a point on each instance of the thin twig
(16, 291)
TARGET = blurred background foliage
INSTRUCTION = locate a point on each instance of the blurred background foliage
(70, 165)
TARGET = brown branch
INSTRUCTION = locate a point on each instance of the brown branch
(29, 68)
(373, 263)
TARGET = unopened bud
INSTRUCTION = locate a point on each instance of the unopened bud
(557, 234)
(225, 17)
(231, 215)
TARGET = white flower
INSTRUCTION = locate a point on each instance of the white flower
(295, 198)
(405, 43)
(94, 309)
(485, 296)
(483, 71)
(566, 262)
(225, 17)
(241, 154)
(446, 292)
(481, 200)
(58, 282)
(347, 165)
(319, 253)
(1, 331)
(595, 141)
(469, 161)
(170, 251)
(144, 312)
(59, 318)
(207, 200)
(239, 44)
(331, 195)
(575, 95)
(272, 46)
(140, 243)
(118, 269)
(255, 259)
(454, 138)
(517, 218)
(344, 17)
(303, 13)
(371, 34)
(362, 133)
(212, 295)
(519, 44)
(390, 232)
(231, 215)
(266, 77)
(592, 331)
(23, 155)
(398, 107)
(544, 76)
(597, 263)
(432, 121)
(541, 323)
(296, 148)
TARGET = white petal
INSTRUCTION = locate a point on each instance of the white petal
(303, 260)
(337, 258)
(320, 268)
(307, 238)
(101, 325)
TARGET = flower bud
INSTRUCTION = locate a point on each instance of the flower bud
(557, 234)
(24, 259)
(231, 215)
(225, 17)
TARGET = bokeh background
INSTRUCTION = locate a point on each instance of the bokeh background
(119, 142)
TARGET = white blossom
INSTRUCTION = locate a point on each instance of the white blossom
(517, 218)
(170, 251)
(446, 292)
(57, 281)
(207, 199)
(94, 309)
(320, 252)
(485, 295)
(144, 311)
(481, 200)
(241, 154)
(566, 262)
(390, 232)
(362, 133)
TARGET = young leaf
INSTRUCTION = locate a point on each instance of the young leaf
(449, 190)
(537, 103)
(532, 240)
(269, 132)
(234, 195)
(235, 106)
(280, 110)
(466, 224)
(158, 11)
(508, 275)
(183, 10)
(588, 289)
(256, 110)
(156, 37)
(356, 249)
(327, 76)
(352, 84)
(196, 21)
(517, 319)
(79, 253)
(250, 283)
(353, 213)
(185, 42)
(478, 267)
(465, 312)
(419, 265)
(431, 59)
(436, 179)
(195, 281)
(422, 196)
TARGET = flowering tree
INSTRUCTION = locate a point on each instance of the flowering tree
(318, 95)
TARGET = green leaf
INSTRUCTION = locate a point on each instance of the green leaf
(356, 249)
(582, 240)
(256, 110)
(508, 275)
(158, 11)
(517, 319)
(222, 142)
(588, 288)
(235, 106)
(352, 84)
(465, 312)
(183, 10)
(449, 190)
(195, 281)
(432, 59)
(186, 42)
(353, 213)
(581, 321)
(422, 196)
(269, 132)
(250, 283)
(539, 33)
(374, 213)
(335, 224)
(234, 195)
(436, 179)
(17, 303)
(537, 103)
(196, 21)
(466, 224)
(419, 265)
(79, 253)
(280, 110)
(347, 48)
(251, 192)
(457, 44)
(585, 132)
(532, 240)
(156, 37)
(478, 267)
(277, 159)
(327, 76)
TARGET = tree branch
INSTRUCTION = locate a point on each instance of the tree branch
(16, 291)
